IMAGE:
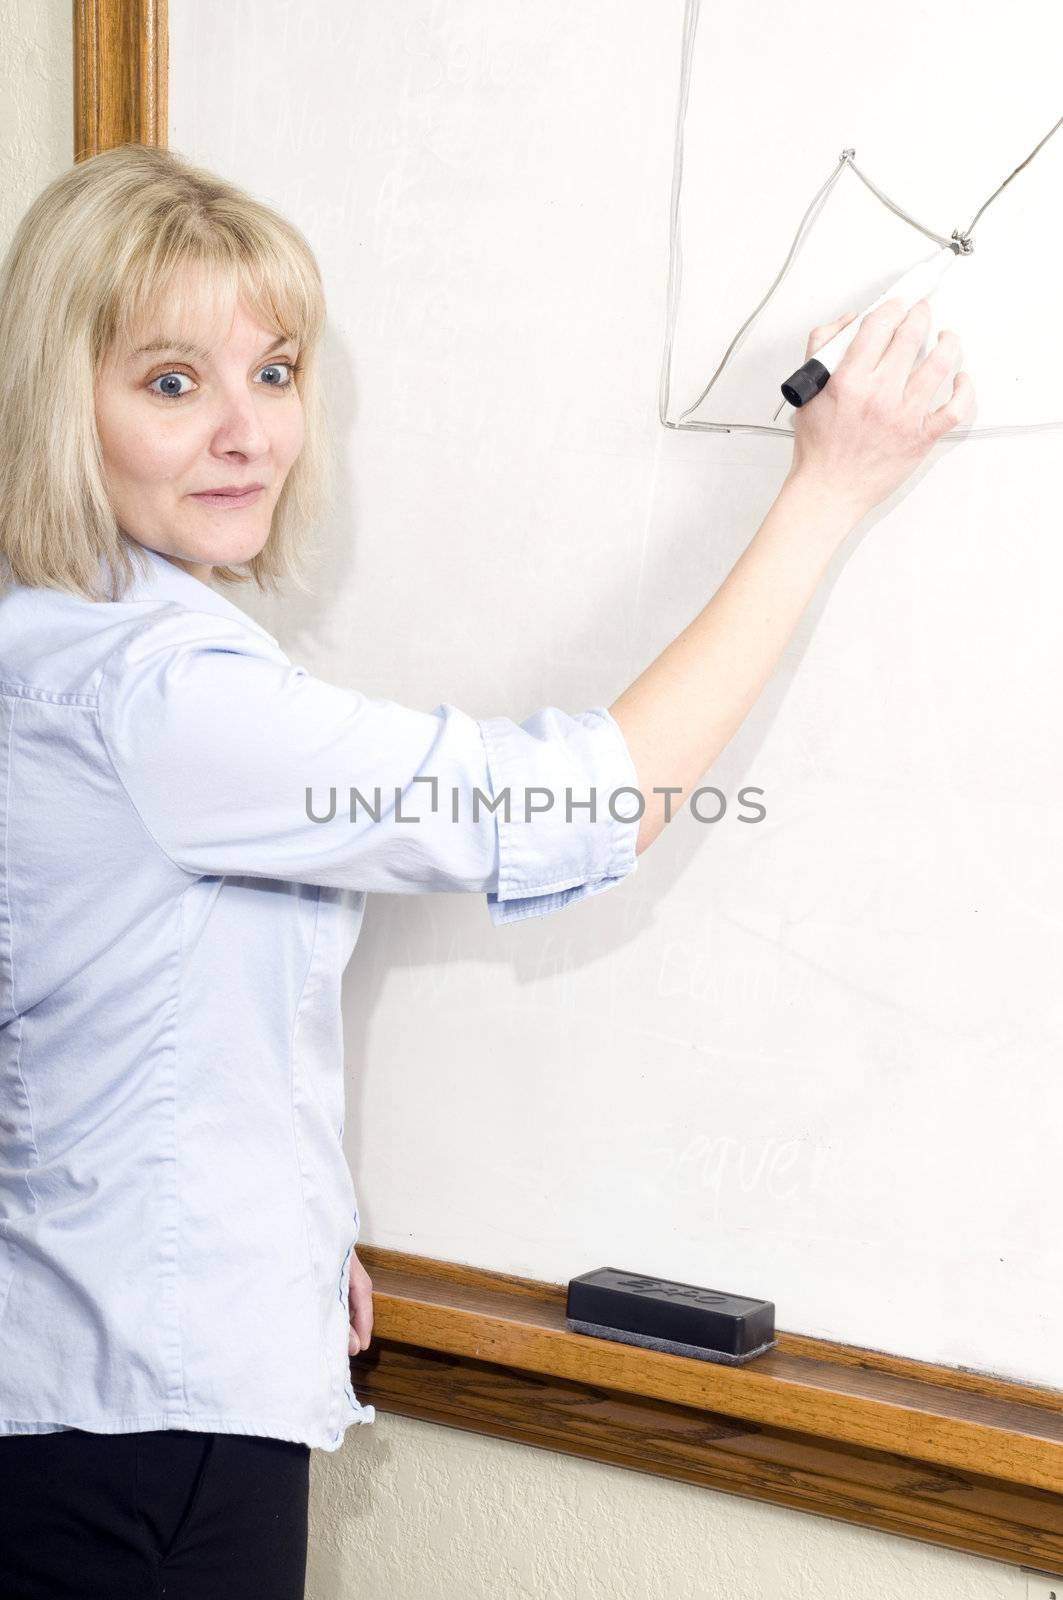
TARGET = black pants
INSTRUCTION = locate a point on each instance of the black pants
(169, 1515)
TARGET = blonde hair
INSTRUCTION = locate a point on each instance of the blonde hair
(104, 245)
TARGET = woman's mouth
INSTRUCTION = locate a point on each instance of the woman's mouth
(229, 498)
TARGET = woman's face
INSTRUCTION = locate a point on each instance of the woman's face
(180, 420)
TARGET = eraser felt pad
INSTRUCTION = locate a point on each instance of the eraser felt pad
(671, 1347)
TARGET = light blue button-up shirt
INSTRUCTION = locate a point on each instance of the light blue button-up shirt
(178, 900)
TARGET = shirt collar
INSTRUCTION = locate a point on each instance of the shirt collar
(164, 582)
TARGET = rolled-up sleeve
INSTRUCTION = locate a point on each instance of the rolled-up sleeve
(549, 857)
(240, 763)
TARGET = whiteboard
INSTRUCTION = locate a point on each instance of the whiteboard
(815, 1059)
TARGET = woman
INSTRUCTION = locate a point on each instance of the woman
(181, 889)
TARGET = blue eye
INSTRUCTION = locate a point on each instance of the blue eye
(180, 394)
(169, 377)
(276, 366)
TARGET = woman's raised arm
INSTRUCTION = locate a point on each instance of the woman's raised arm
(854, 444)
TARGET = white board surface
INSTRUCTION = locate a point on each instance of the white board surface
(816, 1059)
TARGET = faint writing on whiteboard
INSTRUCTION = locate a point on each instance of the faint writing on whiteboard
(730, 1167)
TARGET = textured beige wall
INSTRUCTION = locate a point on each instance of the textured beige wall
(410, 1510)
(37, 103)
(407, 1509)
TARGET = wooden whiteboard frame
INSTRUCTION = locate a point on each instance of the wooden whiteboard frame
(120, 74)
(953, 1458)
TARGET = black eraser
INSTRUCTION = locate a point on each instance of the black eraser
(679, 1318)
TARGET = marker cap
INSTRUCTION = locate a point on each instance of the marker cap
(805, 383)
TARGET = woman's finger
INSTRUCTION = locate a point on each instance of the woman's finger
(875, 334)
(823, 335)
(929, 374)
(958, 409)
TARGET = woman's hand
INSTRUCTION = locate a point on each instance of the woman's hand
(870, 426)
(359, 1307)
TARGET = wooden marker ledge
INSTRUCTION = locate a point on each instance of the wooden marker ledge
(954, 1458)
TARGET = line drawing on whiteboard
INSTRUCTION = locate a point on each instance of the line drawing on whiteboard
(962, 240)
